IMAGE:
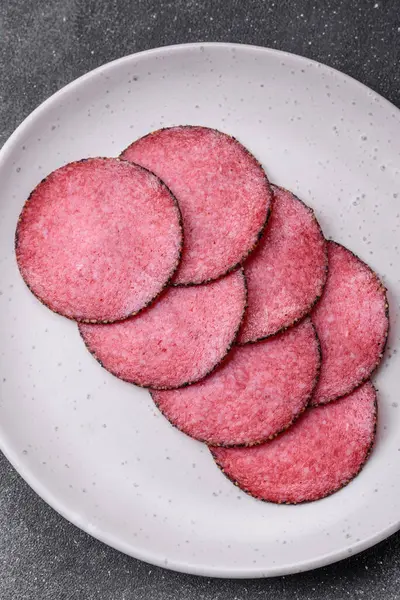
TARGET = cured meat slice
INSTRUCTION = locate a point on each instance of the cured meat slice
(259, 391)
(287, 272)
(99, 239)
(352, 324)
(222, 190)
(318, 455)
(178, 340)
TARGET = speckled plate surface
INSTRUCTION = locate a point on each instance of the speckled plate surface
(95, 448)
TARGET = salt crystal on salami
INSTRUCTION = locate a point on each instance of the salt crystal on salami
(99, 239)
(178, 340)
(324, 450)
(258, 392)
(222, 190)
(287, 272)
(352, 324)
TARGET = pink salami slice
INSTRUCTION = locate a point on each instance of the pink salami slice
(318, 455)
(178, 340)
(352, 324)
(222, 190)
(99, 239)
(287, 272)
(259, 391)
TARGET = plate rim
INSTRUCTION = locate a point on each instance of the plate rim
(56, 504)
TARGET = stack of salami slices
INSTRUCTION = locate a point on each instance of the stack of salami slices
(189, 274)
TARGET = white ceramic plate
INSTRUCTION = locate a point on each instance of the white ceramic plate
(95, 448)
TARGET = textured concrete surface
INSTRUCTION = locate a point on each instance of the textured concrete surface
(44, 45)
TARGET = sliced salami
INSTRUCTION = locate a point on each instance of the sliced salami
(178, 340)
(318, 455)
(287, 272)
(222, 190)
(259, 391)
(99, 239)
(352, 324)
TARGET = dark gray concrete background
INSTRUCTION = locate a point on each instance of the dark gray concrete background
(44, 44)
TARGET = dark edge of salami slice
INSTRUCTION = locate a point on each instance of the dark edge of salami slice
(167, 283)
(382, 352)
(261, 231)
(309, 308)
(186, 384)
(271, 437)
(340, 487)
